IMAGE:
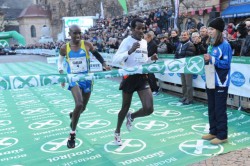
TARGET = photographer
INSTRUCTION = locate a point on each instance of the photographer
(245, 51)
(196, 40)
(237, 44)
(164, 46)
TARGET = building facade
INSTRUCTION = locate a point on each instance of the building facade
(32, 21)
(70, 8)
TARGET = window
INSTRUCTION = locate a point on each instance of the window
(33, 31)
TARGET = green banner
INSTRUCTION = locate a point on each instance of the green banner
(166, 56)
(235, 59)
(190, 65)
(241, 59)
(123, 3)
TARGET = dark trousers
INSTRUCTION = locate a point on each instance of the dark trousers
(187, 86)
(217, 111)
(152, 82)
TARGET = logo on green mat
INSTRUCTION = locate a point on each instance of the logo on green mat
(7, 142)
(59, 145)
(167, 113)
(151, 125)
(33, 112)
(94, 124)
(200, 148)
(62, 101)
(3, 110)
(27, 102)
(23, 95)
(51, 94)
(4, 123)
(45, 124)
(202, 127)
(129, 146)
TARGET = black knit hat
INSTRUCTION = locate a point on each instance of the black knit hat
(217, 23)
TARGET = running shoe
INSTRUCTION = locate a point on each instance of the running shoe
(155, 93)
(71, 141)
(129, 121)
(118, 140)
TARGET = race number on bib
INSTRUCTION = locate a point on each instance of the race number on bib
(78, 65)
(140, 56)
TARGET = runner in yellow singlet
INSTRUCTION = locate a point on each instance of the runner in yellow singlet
(78, 62)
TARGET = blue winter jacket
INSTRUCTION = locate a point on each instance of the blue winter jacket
(221, 58)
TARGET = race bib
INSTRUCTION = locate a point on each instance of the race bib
(78, 65)
(140, 56)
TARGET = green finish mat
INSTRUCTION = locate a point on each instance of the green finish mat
(34, 126)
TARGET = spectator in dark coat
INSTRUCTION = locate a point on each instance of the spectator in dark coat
(237, 44)
(200, 24)
(204, 36)
(186, 49)
(190, 24)
(174, 40)
(152, 49)
(246, 45)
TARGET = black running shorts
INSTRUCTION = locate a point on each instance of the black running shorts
(134, 83)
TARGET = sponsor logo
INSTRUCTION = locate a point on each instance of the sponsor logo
(200, 148)
(45, 124)
(25, 81)
(82, 52)
(151, 125)
(7, 142)
(94, 124)
(4, 43)
(4, 123)
(58, 145)
(3, 110)
(34, 112)
(129, 146)
(131, 69)
(51, 80)
(167, 113)
(201, 127)
(3, 84)
(195, 64)
(238, 79)
(156, 68)
(176, 65)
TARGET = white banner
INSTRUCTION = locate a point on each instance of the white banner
(239, 84)
(37, 51)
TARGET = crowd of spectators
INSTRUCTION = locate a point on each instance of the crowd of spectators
(107, 34)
